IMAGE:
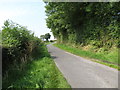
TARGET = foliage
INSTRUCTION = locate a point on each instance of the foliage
(26, 62)
(0, 38)
(85, 23)
(19, 45)
(39, 73)
(42, 37)
(47, 36)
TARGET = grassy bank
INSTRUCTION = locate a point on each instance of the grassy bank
(39, 73)
(109, 59)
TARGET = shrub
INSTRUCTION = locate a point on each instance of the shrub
(19, 45)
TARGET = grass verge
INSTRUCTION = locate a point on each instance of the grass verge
(40, 73)
(102, 58)
(46, 43)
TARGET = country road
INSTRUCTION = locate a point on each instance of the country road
(82, 73)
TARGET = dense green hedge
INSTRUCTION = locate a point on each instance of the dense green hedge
(88, 23)
(19, 45)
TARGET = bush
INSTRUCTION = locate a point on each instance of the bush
(51, 40)
(19, 45)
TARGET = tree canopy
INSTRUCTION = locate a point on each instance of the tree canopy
(47, 36)
(42, 37)
(84, 22)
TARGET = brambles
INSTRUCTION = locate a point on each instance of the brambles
(19, 45)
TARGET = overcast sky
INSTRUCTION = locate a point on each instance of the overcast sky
(30, 13)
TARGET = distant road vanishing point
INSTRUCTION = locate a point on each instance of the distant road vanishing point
(82, 73)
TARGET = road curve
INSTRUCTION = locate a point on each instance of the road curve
(82, 73)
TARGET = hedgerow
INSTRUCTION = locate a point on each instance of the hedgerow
(19, 45)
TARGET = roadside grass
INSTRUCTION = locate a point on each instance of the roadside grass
(109, 59)
(39, 73)
(46, 43)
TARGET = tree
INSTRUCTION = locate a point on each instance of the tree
(84, 22)
(47, 36)
(42, 37)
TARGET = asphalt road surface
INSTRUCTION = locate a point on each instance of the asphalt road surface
(82, 73)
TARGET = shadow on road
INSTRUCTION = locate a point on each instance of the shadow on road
(49, 52)
(53, 57)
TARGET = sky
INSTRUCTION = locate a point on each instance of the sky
(30, 13)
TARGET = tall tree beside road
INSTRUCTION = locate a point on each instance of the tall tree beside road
(84, 23)
(47, 36)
